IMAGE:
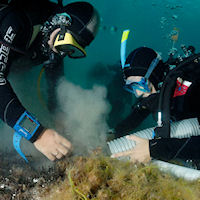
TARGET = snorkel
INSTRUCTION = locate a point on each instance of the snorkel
(123, 48)
(143, 84)
(128, 86)
(131, 87)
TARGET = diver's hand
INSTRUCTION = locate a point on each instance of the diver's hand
(52, 38)
(52, 145)
(140, 153)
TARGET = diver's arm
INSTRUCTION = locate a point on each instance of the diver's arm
(47, 141)
(131, 122)
(10, 107)
(140, 111)
(163, 149)
(170, 148)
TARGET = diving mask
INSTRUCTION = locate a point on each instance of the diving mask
(141, 85)
(65, 43)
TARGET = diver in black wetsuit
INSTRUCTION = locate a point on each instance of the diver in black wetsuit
(174, 93)
(63, 31)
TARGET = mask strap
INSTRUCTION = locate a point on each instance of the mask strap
(123, 47)
(152, 66)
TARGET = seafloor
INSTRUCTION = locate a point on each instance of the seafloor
(94, 177)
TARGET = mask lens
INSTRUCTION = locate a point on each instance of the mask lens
(131, 89)
(141, 86)
(69, 46)
(71, 51)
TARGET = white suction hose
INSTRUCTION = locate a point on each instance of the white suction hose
(180, 129)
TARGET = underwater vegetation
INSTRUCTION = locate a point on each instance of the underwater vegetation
(94, 177)
(103, 178)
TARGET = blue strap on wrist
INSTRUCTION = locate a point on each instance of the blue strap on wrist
(26, 127)
(16, 143)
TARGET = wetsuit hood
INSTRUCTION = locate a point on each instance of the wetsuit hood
(140, 60)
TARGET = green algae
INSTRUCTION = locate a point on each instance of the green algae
(103, 178)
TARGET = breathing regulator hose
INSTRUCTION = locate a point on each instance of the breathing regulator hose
(53, 61)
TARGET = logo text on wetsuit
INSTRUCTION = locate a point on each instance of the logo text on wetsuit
(4, 52)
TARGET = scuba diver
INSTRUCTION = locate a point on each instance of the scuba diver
(35, 32)
(169, 91)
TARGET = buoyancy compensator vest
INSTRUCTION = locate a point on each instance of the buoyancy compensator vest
(187, 68)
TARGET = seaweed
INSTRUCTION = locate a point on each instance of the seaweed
(102, 178)
(94, 177)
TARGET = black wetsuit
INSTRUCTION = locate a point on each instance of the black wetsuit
(181, 107)
(16, 29)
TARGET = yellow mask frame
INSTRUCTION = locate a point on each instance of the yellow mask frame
(67, 44)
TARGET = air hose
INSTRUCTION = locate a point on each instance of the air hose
(181, 129)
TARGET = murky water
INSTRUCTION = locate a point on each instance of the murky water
(151, 24)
